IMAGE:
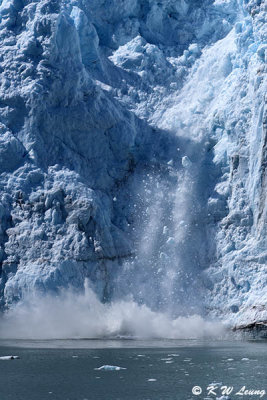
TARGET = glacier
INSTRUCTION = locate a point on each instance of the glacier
(133, 153)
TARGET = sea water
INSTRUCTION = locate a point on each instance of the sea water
(154, 370)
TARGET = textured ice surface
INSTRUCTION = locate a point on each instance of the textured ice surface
(133, 152)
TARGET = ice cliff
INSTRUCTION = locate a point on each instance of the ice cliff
(133, 152)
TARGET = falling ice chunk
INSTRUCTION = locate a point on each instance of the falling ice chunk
(165, 230)
(163, 256)
(170, 241)
(186, 163)
(109, 368)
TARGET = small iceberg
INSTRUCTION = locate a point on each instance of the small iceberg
(9, 358)
(109, 368)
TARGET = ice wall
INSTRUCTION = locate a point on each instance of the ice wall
(133, 152)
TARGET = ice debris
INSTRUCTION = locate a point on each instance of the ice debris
(109, 368)
(5, 358)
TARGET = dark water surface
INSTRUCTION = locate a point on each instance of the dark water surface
(62, 370)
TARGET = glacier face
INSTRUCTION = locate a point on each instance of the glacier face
(133, 152)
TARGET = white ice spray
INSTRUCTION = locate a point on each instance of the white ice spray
(72, 315)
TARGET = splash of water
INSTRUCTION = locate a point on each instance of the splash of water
(72, 315)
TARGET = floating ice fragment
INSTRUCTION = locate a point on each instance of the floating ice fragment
(109, 368)
(74, 356)
(166, 359)
(245, 359)
(152, 380)
(9, 358)
(215, 384)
